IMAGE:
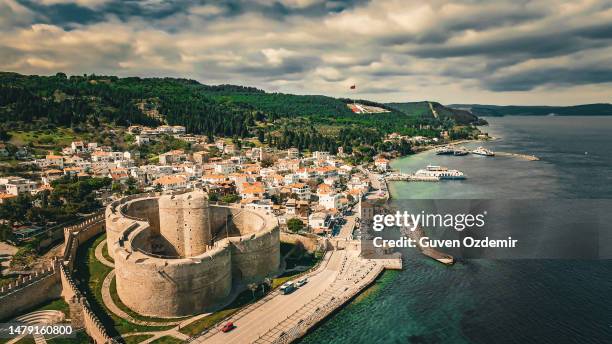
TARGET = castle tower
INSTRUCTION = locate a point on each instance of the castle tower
(185, 223)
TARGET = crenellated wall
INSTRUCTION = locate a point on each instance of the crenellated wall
(80, 312)
(57, 282)
(29, 292)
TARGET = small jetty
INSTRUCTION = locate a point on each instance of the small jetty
(406, 177)
(416, 235)
(518, 155)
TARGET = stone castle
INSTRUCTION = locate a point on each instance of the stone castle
(179, 255)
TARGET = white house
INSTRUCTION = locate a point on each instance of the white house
(225, 167)
(382, 164)
(319, 222)
(293, 153)
(330, 201)
(319, 155)
(17, 185)
(302, 190)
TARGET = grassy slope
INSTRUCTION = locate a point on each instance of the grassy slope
(423, 110)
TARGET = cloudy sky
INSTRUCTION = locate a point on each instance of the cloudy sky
(494, 52)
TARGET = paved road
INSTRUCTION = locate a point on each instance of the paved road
(268, 315)
(376, 183)
(346, 232)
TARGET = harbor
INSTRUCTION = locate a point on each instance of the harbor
(435, 173)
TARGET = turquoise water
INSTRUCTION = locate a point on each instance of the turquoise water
(497, 301)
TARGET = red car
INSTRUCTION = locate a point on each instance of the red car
(228, 327)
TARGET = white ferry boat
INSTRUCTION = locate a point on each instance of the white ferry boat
(461, 151)
(433, 171)
(483, 151)
(446, 150)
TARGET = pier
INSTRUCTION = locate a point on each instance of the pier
(406, 177)
(518, 155)
(432, 253)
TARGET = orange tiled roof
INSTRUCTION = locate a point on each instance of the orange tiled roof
(6, 196)
(252, 188)
(169, 180)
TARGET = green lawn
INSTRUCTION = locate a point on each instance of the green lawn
(300, 257)
(81, 338)
(294, 255)
(137, 338)
(105, 253)
(58, 305)
(280, 280)
(167, 340)
(26, 340)
(285, 248)
(245, 298)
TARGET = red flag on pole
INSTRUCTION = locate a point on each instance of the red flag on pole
(353, 87)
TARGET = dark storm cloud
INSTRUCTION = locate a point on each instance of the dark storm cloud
(558, 41)
(66, 14)
(556, 77)
(385, 46)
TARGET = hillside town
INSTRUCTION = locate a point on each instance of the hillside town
(316, 188)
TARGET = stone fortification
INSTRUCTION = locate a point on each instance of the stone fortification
(179, 254)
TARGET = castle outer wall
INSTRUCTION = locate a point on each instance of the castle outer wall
(202, 273)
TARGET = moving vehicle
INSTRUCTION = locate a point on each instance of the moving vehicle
(228, 327)
(287, 288)
(301, 282)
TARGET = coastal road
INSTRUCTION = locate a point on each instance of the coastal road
(268, 315)
(346, 232)
(376, 183)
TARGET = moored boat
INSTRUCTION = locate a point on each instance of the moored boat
(483, 151)
(446, 150)
(439, 172)
(461, 151)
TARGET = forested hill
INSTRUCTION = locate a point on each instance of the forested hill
(39, 102)
(426, 109)
(221, 110)
(516, 110)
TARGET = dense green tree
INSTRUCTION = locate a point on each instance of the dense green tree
(295, 225)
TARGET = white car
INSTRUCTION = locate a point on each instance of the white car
(301, 282)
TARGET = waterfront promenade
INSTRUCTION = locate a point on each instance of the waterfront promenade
(284, 318)
(278, 318)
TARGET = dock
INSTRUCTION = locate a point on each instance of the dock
(416, 235)
(518, 155)
(406, 177)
